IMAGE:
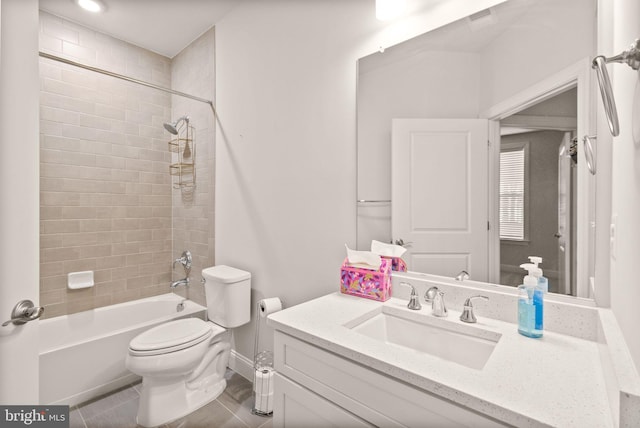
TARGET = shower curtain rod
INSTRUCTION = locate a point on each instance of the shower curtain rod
(127, 78)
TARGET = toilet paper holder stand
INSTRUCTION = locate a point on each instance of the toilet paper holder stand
(263, 371)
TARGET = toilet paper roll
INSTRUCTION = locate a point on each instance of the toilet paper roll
(263, 381)
(264, 403)
(269, 306)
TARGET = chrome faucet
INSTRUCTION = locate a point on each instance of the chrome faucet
(414, 300)
(467, 314)
(436, 298)
(184, 281)
(185, 260)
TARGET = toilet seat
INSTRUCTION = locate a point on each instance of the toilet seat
(173, 336)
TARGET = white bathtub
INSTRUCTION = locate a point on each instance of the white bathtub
(82, 355)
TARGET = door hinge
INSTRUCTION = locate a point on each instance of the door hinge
(488, 226)
(488, 143)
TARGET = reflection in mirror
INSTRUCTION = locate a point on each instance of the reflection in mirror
(538, 191)
(462, 71)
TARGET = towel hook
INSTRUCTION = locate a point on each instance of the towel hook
(632, 58)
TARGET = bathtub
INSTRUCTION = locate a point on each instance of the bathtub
(82, 355)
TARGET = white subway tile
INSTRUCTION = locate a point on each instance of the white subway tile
(110, 262)
(50, 69)
(152, 155)
(67, 158)
(48, 127)
(156, 132)
(61, 226)
(126, 200)
(105, 60)
(139, 117)
(155, 200)
(95, 199)
(67, 89)
(122, 127)
(80, 77)
(109, 111)
(80, 132)
(125, 223)
(95, 122)
(139, 165)
(125, 152)
(74, 50)
(108, 137)
(139, 189)
(56, 29)
(95, 225)
(77, 239)
(58, 115)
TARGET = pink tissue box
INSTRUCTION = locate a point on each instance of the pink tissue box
(371, 284)
(397, 264)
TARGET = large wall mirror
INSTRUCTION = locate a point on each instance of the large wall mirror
(470, 145)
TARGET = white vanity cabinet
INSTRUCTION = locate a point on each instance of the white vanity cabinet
(314, 387)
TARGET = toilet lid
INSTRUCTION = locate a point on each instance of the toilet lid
(171, 336)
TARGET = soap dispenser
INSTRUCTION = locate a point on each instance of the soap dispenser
(530, 304)
(543, 281)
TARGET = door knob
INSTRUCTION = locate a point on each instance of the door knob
(23, 312)
(402, 243)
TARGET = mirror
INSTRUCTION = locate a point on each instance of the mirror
(469, 69)
(539, 190)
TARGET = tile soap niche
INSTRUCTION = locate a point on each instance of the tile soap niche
(78, 280)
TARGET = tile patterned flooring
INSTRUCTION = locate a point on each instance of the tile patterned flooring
(232, 409)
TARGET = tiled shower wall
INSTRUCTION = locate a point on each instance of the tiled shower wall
(105, 188)
(192, 71)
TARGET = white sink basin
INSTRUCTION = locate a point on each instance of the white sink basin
(443, 338)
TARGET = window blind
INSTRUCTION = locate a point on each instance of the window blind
(512, 194)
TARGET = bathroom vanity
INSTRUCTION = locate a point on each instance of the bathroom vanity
(348, 361)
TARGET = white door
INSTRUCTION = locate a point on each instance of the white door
(439, 192)
(19, 207)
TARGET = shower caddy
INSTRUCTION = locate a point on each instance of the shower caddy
(183, 166)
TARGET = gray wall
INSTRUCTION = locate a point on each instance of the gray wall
(542, 209)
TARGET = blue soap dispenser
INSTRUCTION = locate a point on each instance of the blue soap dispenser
(530, 304)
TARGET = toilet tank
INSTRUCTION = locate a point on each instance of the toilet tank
(228, 294)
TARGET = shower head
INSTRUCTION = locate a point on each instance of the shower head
(173, 126)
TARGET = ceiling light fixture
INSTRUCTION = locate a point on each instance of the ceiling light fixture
(389, 9)
(94, 6)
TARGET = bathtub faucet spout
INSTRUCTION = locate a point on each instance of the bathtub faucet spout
(184, 282)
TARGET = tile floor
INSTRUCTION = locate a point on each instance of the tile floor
(232, 409)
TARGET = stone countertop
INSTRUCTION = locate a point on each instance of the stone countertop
(556, 380)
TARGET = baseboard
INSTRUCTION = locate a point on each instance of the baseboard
(241, 365)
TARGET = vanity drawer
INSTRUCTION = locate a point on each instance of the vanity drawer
(373, 396)
(295, 406)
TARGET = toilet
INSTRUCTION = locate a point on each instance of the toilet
(183, 362)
